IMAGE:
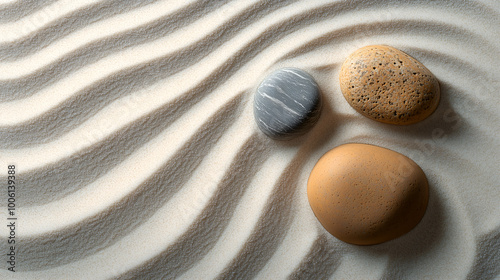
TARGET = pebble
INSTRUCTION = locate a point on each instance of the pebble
(387, 85)
(364, 194)
(287, 104)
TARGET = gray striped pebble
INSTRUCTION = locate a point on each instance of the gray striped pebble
(287, 103)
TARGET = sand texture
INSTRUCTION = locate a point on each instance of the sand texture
(137, 155)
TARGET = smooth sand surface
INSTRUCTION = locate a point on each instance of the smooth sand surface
(137, 156)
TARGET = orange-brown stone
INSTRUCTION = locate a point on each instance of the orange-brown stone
(387, 85)
(364, 194)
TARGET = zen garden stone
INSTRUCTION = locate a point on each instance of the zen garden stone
(287, 104)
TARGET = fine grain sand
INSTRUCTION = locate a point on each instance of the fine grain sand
(131, 127)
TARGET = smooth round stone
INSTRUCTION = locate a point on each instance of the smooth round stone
(364, 194)
(287, 103)
(387, 85)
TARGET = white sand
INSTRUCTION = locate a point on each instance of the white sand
(130, 124)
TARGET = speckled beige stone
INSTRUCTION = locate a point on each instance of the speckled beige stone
(387, 85)
(364, 194)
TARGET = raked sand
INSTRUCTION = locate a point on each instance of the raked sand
(130, 124)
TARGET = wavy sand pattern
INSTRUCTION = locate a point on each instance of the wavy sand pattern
(131, 127)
